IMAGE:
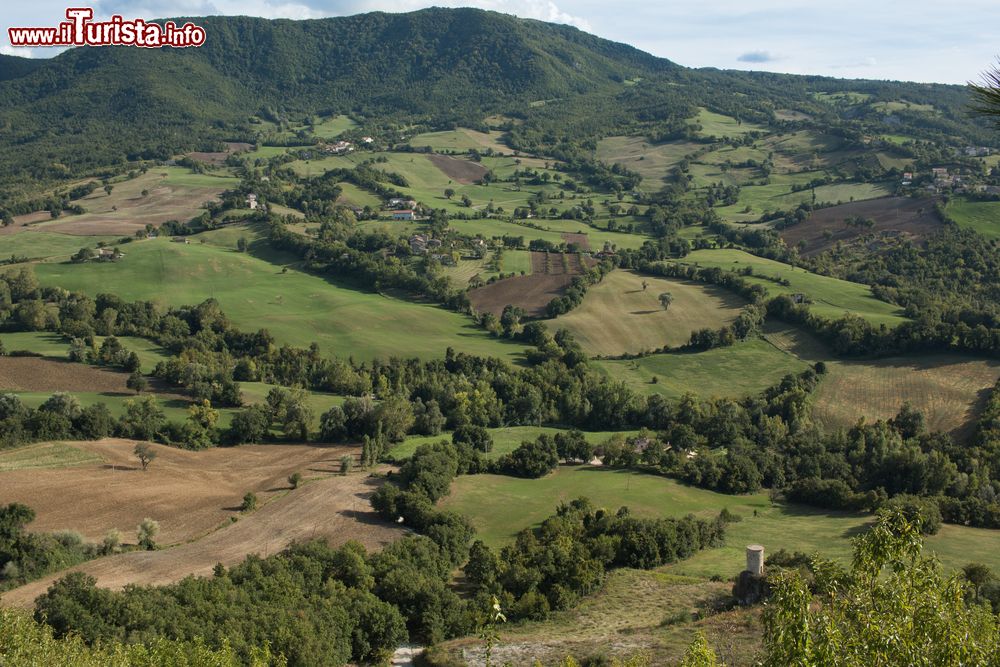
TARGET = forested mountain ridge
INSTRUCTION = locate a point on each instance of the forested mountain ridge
(93, 108)
(12, 67)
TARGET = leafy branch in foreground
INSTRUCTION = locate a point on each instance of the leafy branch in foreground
(894, 607)
(986, 94)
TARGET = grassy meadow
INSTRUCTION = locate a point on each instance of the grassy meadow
(505, 440)
(775, 525)
(981, 216)
(618, 316)
(460, 140)
(296, 307)
(831, 297)
(726, 372)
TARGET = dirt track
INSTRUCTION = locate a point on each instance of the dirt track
(333, 507)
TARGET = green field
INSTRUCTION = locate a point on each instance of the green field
(831, 297)
(54, 345)
(44, 455)
(40, 245)
(717, 125)
(982, 216)
(355, 196)
(652, 161)
(427, 183)
(40, 342)
(296, 307)
(174, 409)
(460, 140)
(333, 126)
(319, 401)
(513, 261)
(619, 317)
(739, 370)
(778, 195)
(777, 526)
(505, 439)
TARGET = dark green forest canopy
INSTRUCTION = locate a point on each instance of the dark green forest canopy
(92, 109)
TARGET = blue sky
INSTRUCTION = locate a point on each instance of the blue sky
(920, 40)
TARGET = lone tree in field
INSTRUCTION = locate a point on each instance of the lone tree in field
(345, 464)
(144, 453)
(666, 299)
(108, 188)
(147, 532)
(241, 244)
(449, 193)
(295, 480)
(137, 382)
(249, 502)
(644, 285)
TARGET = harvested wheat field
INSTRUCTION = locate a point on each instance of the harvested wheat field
(551, 273)
(619, 317)
(949, 389)
(161, 194)
(38, 374)
(188, 492)
(193, 495)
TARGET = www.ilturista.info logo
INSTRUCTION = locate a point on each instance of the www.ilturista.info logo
(80, 30)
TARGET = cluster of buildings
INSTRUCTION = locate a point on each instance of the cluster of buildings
(420, 244)
(337, 147)
(943, 180)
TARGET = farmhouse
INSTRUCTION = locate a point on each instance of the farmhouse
(252, 201)
(405, 214)
(109, 254)
(418, 244)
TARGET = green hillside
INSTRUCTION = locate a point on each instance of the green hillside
(297, 308)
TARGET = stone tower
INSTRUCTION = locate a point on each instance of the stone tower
(755, 560)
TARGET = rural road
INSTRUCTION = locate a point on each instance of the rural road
(333, 507)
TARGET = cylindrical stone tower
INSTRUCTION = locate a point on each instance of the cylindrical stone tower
(755, 560)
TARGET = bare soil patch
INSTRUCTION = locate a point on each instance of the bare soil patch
(551, 274)
(24, 221)
(580, 240)
(219, 158)
(901, 217)
(37, 374)
(192, 493)
(458, 169)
